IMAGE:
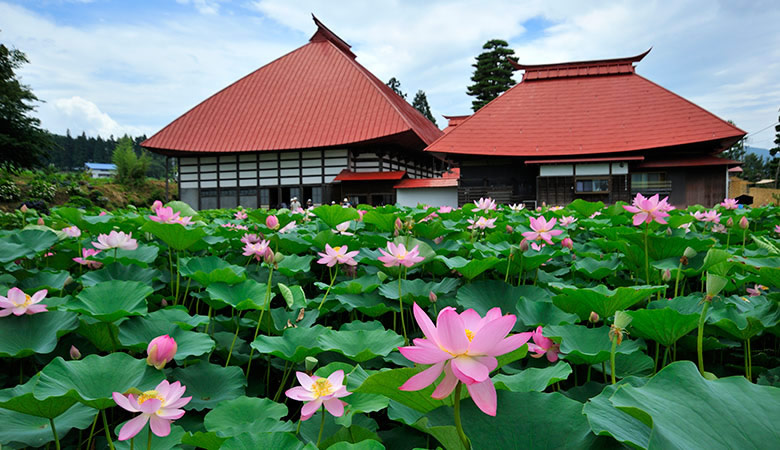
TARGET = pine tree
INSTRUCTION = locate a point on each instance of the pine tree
(737, 151)
(492, 73)
(395, 85)
(775, 161)
(22, 141)
(420, 103)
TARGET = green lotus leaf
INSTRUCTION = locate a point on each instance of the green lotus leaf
(535, 313)
(112, 300)
(158, 443)
(180, 316)
(387, 382)
(371, 304)
(29, 334)
(629, 364)
(418, 289)
(208, 441)
(211, 269)
(664, 326)
(261, 439)
(120, 272)
(333, 215)
(533, 379)
(361, 345)
(583, 345)
(744, 319)
(236, 416)
(35, 431)
(294, 264)
(382, 222)
(206, 393)
(596, 269)
(175, 235)
(25, 244)
(366, 444)
(532, 259)
(45, 279)
(184, 209)
(731, 405)
(606, 420)
(600, 299)
(484, 295)
(585, 208)
(137, 332)
(293, 296)
(248, 294)
(143, 256)
(93, 379)
(469, 268)
(20, 398)
(294, 344)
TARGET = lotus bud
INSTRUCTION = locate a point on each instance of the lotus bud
(269, 256)
(668, 231)
(74, 352)
(24, 209)
(438, 240)
(157, 205)
(272, 222)
(161, 351)
(310, 363)
(40, 221)
(524, 245)
(567, 243)
(509, 229)
(666, 275)
(730, 222)
(743, 223)
(164, 303)
(398, 224)
(593, 318)
(689, 252)
(432, 297)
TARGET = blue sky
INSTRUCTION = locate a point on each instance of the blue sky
(113, 67)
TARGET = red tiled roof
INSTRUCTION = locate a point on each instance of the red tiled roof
(575, 109)
(315, 96)
(346, 175)
(454, 121)
(585, 160)
(427, 183)
(707, 160)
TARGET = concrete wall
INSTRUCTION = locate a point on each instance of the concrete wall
(761, 196)
(428, 196)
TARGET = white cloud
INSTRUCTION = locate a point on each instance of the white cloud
(86, 116)
(208, 7)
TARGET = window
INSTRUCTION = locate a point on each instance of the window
(650, 182)
(316, 195)
(265, 198)
(592, 185)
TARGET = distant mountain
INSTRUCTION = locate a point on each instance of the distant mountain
(758, 151)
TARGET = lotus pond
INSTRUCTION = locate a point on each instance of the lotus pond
(585, 326)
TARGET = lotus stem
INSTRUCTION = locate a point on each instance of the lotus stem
(285, 376)
(54, 432)
(322, 425)
(401, 306)
(745, 359)
(700, 335)
(744, 236)
(108, 432)
(677, 278)
(235, 337)
(666, 353)
(178, 280)
(612, 359)
(149, 439)
(655, 362)
(92, 432)
(206, 331)
(508, 264)
(260, 319)
(330, 286)
(647, 257)
(458, 426)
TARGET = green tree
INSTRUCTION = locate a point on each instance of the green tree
(737, 151)
(22, 141)
(395, 85)
(754, 167)
(130, 169)
(420, 103)
(775, 162)
(492, 73)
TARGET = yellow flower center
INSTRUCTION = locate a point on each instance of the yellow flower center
(337, 249)
(27, 300)
(148, 395)
(401, 256)
(321, 387)
(469, 334)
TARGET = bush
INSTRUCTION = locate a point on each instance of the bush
(40, 189)
(130, 169)
(9, 192)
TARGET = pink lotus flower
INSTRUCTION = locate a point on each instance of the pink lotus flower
(166, 215)
(543, 345)
(594, 215)
(258, 250)
(339, 255)
(317, 391)
(567, 243)
(567, 220)
(361, 213)
(756, 290)
(647, 210)
(86, 253)
(542, 230)
(730, 203)
(485, 204)
(343, 228)
(399, 256)
(240, 215)
(250, 239)
(707, 216)
(463, 346)
(161, 351)
(157, 205)
(74, 352)
(272, 222)
(517, 207)
(556, 208)
(718, 228)
(19, 303)
(481, 223)
(537, 247)
(103, 213)
(777, 229)
(116, 240)
(287, 228)
(159, 407)
(445, 209)
(73, 231)
(743, 223)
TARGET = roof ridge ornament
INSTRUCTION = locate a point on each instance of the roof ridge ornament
(579, 68)
(324, 33)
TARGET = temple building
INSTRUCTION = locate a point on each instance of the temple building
(313, 124)
(594, 130)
